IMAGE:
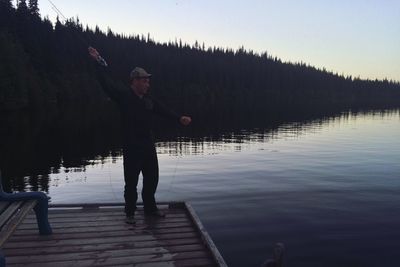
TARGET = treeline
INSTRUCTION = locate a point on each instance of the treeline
(44, 65)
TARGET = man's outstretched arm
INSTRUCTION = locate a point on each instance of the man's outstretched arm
(103, 76)
(160, 109)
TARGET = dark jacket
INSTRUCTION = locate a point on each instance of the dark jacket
(136, 113)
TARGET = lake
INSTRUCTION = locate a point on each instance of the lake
(329, 189)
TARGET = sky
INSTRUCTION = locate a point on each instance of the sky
(360, 38)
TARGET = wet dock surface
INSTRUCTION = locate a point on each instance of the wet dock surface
(93, 235)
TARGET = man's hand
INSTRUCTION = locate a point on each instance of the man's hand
(185, 120)
(93, 53)
(96, 56)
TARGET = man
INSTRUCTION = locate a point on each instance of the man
(139, 152)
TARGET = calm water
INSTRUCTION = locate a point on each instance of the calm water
(329, 189)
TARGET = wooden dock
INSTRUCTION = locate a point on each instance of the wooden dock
(97, 235)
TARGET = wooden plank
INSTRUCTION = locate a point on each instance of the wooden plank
(94, 212)
(181, 263)
(210, 244)
(111, 233)
(151, 248)
(91, 215)
(79, 255)
(3, 205)
(121, 226)
(114, 204)
(200, 262)
(8, 229)
(99, 217)
(111, 261)
(17, 251)
(95, 223)
(8, 212)
(99, 240)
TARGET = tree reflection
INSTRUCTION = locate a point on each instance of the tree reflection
(33, 146)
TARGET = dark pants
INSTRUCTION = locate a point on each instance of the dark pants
(136, 161)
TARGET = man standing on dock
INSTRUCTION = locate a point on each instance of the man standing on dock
(139, 152)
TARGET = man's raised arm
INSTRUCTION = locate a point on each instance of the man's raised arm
(103, 76)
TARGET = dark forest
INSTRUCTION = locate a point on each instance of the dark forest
(44, 65)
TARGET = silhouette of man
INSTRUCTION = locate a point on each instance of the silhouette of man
(139, 152)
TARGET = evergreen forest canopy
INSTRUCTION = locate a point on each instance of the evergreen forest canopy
(46, 66)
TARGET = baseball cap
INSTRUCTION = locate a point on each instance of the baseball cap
(139, 73)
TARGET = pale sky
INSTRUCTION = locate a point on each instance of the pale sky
(351, 37)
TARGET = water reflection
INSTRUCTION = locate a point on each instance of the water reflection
(34, 146)
(240, 139)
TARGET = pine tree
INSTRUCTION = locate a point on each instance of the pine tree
(22, 19)
(5, 5)
(33, 7)
(6, 11)
(22, 7)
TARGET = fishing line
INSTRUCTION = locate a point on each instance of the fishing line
(104, 63)
(65, 20)
(109, 176)
(53, 6)
(99, 59)
(174, 173)
(179, 155)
